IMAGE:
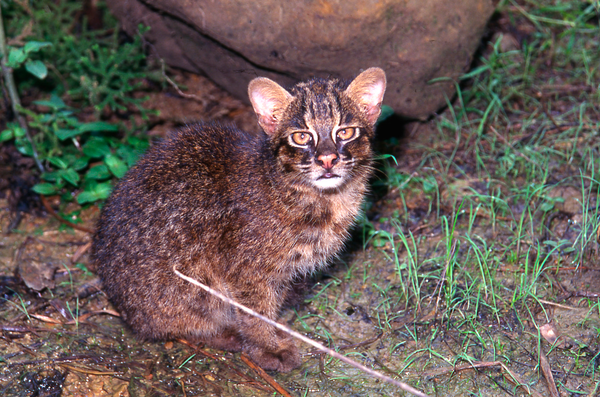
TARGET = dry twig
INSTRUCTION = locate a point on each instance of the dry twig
(14, 95)
(61, 219)
(87, 371)
(510, 145)
(176, 87)
(261, 372)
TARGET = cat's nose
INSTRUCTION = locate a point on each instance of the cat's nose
(327, 160)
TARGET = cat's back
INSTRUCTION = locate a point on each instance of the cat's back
(198, 162)
(182, 185)
(199, 156)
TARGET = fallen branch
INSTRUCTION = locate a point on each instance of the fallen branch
(261, 372)
(49, 208)
(303, 338)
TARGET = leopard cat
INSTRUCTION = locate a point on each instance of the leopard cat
(245, 214)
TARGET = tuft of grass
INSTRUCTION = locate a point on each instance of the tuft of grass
(512, 215)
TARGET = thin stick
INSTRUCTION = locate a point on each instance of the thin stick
(245, 358)
(557, 305)
(513, 378)
(303, 338)
(59, 218)
(12, 92)
(175, 86)
(88, 371)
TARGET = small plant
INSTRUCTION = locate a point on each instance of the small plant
(100, 68)
(107, 73)
(81, 156)
(21, 56)
(92, 68)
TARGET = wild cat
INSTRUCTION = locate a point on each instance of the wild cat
(244, 214)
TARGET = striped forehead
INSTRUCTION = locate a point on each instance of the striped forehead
(322, 108)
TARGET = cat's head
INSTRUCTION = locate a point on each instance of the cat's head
(320, 130)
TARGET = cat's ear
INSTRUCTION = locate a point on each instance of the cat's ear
(367, 90)
(269, 101)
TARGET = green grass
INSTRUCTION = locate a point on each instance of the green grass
(507, 198)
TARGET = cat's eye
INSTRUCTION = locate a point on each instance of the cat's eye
(301, 138)
(347, 133)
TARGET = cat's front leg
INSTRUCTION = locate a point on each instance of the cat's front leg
(269, 347)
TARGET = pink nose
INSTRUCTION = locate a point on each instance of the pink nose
(327, 160)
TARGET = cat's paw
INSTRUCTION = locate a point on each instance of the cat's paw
(231, 343)
(284, 359)
(228, 339)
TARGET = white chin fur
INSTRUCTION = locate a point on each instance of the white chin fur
(328, 183)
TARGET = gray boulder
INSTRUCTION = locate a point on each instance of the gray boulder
(233, 41)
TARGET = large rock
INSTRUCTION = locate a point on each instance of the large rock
(233, 41)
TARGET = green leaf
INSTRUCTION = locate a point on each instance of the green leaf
(80, 163)
(52, 176)
(6, 135)
(13, 130)
(116, 165)
(378, 241)
(54, 103)
(24, 147)
(47, 189)
(98, 172)
(96, 147)
(139, 144)
(96, 192)
(16, 57)
(35, 46)
(86, 197)
(63, 134)
(19, 132)
(69, 156)
(98, 126)
(57, 161)
(129, 154)
(546, 206)
(37, 68)
(103, 190)
(71, 176)
(429, 184)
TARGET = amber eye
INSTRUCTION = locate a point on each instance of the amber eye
(301, 138)
(346, 133)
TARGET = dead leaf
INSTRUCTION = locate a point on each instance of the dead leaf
(37, 275)
(46, 319)
(549, 332)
